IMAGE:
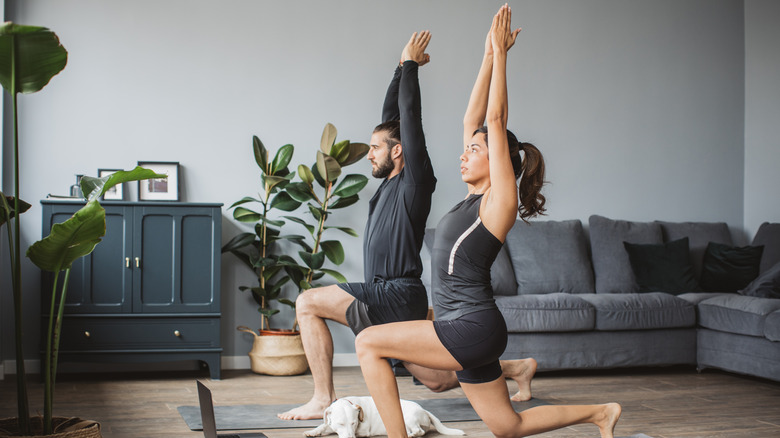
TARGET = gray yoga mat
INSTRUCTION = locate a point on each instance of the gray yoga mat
(238, 417)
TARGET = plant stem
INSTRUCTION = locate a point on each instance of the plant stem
(21, 375)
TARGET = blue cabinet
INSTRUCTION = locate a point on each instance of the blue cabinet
(150, 290)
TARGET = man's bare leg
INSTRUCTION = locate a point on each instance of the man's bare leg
(312, 308)
(521, 371)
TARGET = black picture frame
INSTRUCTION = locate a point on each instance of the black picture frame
(160, 189)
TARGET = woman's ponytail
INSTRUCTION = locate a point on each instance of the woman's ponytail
(531, 181)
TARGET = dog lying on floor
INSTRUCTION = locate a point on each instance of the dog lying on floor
(351, 417)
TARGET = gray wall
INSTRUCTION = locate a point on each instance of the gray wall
(762, 112)
(638, 106)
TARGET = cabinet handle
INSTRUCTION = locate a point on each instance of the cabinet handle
(86, 334)
(138, 262)
(127, 262)
(177, 333)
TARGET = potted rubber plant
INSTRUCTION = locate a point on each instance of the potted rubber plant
(261, 250)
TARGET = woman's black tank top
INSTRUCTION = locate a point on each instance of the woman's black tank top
(463, 251)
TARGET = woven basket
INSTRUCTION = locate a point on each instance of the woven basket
(63, 427)
(277, 354)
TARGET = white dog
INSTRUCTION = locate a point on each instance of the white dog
(351, 417)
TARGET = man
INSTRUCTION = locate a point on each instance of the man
(398, 211)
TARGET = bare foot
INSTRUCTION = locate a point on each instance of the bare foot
(609, 419)
(310, 411)
(521, 371)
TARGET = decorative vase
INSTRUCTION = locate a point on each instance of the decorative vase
(277, 352)
(63, 427)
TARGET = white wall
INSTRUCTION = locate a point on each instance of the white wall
(762, 113)
(637, 105)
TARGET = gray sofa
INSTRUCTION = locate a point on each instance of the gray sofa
(574, 301)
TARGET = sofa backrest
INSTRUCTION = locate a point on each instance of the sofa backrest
(699, 235)
(550, 257)
(768, 235)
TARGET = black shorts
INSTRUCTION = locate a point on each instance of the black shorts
(476, 340)
(384, 301)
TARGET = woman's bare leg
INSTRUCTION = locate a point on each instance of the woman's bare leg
(411, 340)
(491, 402)
(521, 371)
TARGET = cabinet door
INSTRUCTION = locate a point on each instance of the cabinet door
(178, 248)
(101, 281)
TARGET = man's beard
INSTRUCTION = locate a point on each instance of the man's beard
(383, 169)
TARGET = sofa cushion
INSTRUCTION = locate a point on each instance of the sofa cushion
(699, 234)
(550, 256)
(610, 260)
(768, 235)
(645, 311)
(663, 267)
(738, 314)
(502, 276)
(767, 285)
(729, 268)
(697, 297)
(772, 326)
(556, 312)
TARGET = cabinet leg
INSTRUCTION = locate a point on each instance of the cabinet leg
(213, 364)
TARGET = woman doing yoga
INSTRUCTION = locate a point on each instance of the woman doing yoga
(469, 333)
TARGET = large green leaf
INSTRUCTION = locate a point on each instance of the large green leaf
(350, 185)
(282, 158)
(305, 174)
(8, 203)
(328, 138)
(94, 188)
(261, 154)
(313, 261)
(302, 222)
(340, 278)
(340, 151)
(299, 191)
(356, 152)
(283, 201)
(242, 214)
(244, 200)
(334, 251)
(347, 230)
(33, 54)
(344, 202)
(328, 167)
(69, 240)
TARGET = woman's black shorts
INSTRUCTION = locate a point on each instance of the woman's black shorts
(476, 340)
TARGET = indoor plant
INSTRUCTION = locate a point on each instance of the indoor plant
(261, 252)
(29, 57)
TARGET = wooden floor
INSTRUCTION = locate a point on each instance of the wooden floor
(659, 402)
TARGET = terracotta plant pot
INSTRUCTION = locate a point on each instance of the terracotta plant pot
(277, 352)
(63, 427)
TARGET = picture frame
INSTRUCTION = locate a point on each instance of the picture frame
(160, 189)
(117, 192)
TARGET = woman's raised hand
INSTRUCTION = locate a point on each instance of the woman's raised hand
(502, 37)
(415, 48)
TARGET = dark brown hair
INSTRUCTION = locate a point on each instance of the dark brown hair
(392, 130)
(530, 172)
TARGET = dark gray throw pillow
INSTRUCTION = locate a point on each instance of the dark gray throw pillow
(729, 268)
(664, 267)
(767, 285)
(768, 235)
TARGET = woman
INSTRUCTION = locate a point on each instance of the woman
(469, 333)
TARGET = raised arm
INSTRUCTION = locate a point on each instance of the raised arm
(500, 209)
(477, 107)
(416, 160)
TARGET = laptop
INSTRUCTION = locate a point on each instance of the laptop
(209, 421)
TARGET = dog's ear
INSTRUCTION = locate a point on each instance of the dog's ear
(360, 413)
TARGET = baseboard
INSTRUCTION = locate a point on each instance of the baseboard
(9, 367)
(242, 362)
(227, 363)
